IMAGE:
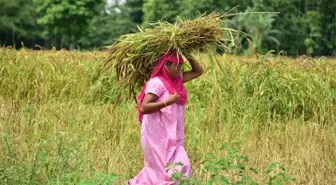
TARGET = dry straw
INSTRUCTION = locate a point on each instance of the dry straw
(135, 55)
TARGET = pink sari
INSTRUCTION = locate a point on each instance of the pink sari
(162, 132)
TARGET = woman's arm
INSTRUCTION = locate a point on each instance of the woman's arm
(196, 69)
(149, 104)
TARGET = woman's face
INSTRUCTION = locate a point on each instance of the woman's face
(173, 69)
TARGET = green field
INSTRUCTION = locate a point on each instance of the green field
(59, 123)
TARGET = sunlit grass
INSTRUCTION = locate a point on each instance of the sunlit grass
(59, 123)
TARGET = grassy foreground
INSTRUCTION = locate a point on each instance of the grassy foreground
(59, 123)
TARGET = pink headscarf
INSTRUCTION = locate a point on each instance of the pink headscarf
(172, 84)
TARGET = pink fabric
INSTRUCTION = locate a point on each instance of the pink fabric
(172, 84)
(162, 140)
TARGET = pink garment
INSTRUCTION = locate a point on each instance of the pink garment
(162, 140)
(172, 84)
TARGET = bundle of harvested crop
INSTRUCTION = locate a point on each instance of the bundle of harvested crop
(136, 54)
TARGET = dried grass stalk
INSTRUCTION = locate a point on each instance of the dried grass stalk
(136, 54)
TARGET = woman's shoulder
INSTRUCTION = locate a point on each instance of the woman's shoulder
(156, 86)
(155, 80)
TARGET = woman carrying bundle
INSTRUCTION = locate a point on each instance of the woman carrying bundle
(161, 107)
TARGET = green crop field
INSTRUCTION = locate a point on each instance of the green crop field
(60, 122)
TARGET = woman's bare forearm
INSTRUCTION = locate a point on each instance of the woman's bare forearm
(148, 108)
(195, 65)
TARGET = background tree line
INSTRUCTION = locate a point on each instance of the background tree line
(302, 27)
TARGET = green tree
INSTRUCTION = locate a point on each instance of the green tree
(320, 21)
(290, 23)
(113, 21)
(302, 27)
(313, 20)
(308, 27)
(260, 27)
(134, 10)
(191, 7)
(328, 31)
(66, 19)
(17, 22)
(167, 10)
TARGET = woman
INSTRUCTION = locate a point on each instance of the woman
(161, 110)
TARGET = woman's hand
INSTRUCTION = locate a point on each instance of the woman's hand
(150, 104)
(196, 70)
(172, 99)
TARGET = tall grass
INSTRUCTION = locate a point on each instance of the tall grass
(59, 123)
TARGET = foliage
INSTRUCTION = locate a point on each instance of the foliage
(66, 19)
(302, 27)
(17, 22)
(259, 26)
(231, 169)
(61, 121)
